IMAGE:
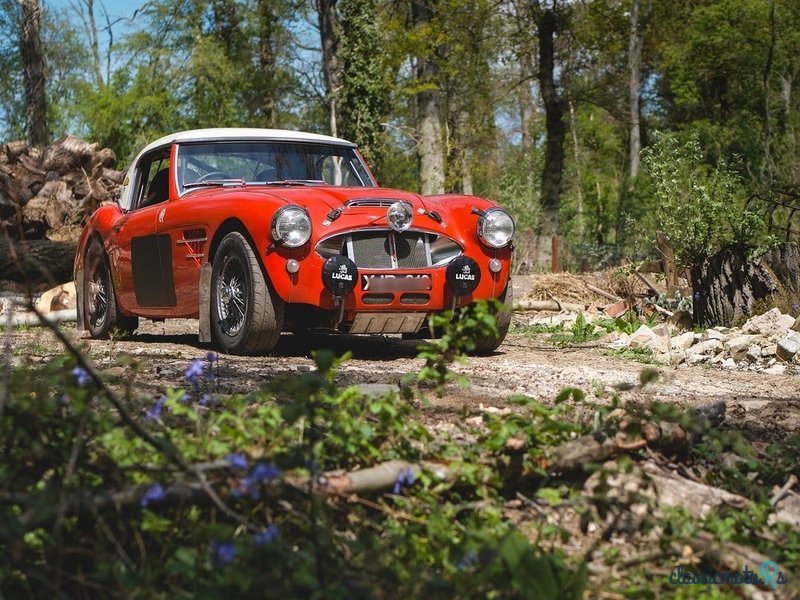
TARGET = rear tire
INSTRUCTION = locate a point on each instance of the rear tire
(246, 313)
(99, 300)
(489, 343)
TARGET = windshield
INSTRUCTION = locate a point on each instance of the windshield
(269, 163)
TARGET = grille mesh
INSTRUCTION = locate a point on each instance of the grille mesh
(410, 248)
(371, 250)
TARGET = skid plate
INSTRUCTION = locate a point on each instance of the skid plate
(387, 322)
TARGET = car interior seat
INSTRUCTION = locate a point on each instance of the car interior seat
(159, 188)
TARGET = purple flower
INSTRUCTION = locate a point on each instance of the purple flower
(154, 493)
(222, 553)
(81, 376)
(260, 474)
(237, 460)
(185, 398)
(205, 399)
(155, 413)
(404, 478)
(212, 357)
(470, 558)
(194, 372)
(267, 536)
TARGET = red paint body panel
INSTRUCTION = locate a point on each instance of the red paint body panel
(193, 220)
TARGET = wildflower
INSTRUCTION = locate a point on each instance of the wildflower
(155, 413)
(154, 493)
(404, 478)
(267, 536)
(236, 460)
(212, 357)
(194, 372)
(222, 553)
(205, 399)
(185, 398)
(260, 474)
(81, 376)
(469, 559)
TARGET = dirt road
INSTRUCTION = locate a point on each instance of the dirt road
(765, 406)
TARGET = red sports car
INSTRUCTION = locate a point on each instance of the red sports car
(259, 231)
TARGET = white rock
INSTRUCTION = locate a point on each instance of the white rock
(770, 350)
(683, 341)
(61, 297)
(696, 358)
(753, 353)
(658, 344)
(712, 346)
(641, 336)
(715, 334)
(789, 346)
(775, 370)
(728, 363)
(661, 330)
(772, 322)
(737, 347)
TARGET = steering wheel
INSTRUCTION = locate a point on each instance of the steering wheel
(214, 175)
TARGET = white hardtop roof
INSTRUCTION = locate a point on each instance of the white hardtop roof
(243, 133)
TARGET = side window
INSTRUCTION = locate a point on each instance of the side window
(152, 179)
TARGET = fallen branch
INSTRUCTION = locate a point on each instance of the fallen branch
(548, 305)
(28, 319)
(602, 293)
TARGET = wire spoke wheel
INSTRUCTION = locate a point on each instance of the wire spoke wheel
(246, 314)
(99, 283)
(232, 294)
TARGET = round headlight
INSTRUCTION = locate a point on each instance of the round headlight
(399, 215)
(496, 228)
(291, 226)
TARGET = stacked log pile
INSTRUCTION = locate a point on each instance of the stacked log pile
(45, 196)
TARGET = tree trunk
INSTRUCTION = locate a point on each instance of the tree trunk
(548, 25)
(635, 43)
(30, 45)
(266, 60)
(330, 32)
(37, 261)
(729, 289)
(429, 130)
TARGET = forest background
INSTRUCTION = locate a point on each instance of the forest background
(544, 106)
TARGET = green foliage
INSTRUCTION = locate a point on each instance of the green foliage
(366, 82)
(700, 211)
(456, 333)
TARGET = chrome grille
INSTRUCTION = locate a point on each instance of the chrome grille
(383, 249)
(370, 250)
(371, 202)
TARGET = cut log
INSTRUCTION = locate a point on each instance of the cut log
(67, 154)
(37, 261)
(729, 288)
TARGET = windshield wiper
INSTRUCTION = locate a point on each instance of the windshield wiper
(216, 182)
(296, 182)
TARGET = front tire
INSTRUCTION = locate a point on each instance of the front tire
(99, 301)
(246, 314)
(489, 343)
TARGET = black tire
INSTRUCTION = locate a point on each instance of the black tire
(246, 313)
(489, 343)
(100, 309)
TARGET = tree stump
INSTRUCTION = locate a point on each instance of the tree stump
(729, 287)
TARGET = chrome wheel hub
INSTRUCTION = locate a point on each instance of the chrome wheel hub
(232, 295)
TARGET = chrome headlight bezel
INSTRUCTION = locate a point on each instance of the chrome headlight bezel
(400, 215)
(488, 220)
(281, 230)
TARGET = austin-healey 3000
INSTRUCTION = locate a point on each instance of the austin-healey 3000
(256, 231)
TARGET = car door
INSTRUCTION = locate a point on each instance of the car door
(145, 282)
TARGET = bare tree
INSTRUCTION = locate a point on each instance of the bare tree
(30, 47)
(330, 34)
(429, 130)
(548, 25)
